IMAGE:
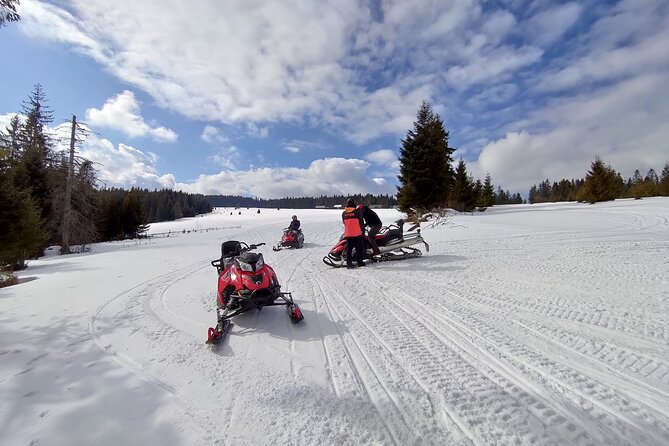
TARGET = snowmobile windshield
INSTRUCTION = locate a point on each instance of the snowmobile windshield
(250, 262)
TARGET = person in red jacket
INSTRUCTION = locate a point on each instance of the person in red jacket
(354, 232)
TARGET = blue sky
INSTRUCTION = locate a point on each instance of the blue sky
(290, 98)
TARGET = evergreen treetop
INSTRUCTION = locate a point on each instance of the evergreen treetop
(425, 158)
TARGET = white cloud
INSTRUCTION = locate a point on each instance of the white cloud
(383, 157)
(592, 124)
(490, 68)
(119, 165)
(122, 112)
(5, 120)
(213, 135)
(328, 176)
(498, 64)
(292, 149)
(549, 25)
(226, 157)
(257, 131)
(294, 61)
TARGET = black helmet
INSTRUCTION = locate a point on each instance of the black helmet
(350, 203)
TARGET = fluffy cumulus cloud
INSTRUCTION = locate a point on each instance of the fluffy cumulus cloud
(386, 165)
(521, 80)
(125, 166)
(118, 165)
(5, 119)
(383, 157)
(122, 112)
(579, 129)
(329, 176)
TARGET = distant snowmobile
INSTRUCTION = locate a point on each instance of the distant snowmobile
(291, 238)
(393, 243)
(245, 283)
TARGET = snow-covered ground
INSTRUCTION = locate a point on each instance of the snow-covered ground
(542, 324)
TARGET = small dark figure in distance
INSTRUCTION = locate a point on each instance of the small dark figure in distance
(374, 222)
(354, 232)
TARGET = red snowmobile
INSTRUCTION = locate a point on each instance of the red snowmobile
(245, 283)
(291, 238)
(393, 243)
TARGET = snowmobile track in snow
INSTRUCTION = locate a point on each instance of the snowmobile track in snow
(608, 407)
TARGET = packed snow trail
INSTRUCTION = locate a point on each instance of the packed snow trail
(530, 325)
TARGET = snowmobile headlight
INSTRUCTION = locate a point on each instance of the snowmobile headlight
(260, 262)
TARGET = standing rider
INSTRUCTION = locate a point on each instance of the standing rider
(374, 222)
(354, 232)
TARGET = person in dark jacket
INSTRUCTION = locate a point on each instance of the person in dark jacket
(354, 232)
(294, 224)
(374, 222)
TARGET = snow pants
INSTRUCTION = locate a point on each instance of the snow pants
(359, 244)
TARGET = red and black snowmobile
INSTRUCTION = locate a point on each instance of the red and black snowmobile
(392, 241)
(291, 238)
(245, 283)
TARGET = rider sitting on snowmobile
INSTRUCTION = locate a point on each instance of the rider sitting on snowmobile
(354, 232)
(374, 222)
(295, 224)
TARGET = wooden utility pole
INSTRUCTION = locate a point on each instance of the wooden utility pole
(67, 208)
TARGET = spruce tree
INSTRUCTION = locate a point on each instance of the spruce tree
(21, 236)
(601, 183)
(478, 193)
(462, 196)
(132, 215)
(8, 11)
(426, 174)
(663, 185)
(9, 139)
(32, 168)
(488, 192)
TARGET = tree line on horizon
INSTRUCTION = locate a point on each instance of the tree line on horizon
(602, 183)
(328, 201)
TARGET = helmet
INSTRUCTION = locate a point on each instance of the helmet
(360, 207)
(294, 217)
(350, 203)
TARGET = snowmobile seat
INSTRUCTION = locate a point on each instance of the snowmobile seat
(393, 232)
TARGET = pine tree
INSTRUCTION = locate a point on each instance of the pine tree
(9, 139)
(501, 197)
(8, 11)
(132, 215)
(601, 183)
(478, 193)
(462, 196)
(426, 174)
(663, 185)
(488, 192)
(32, 168)
(21, 236)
